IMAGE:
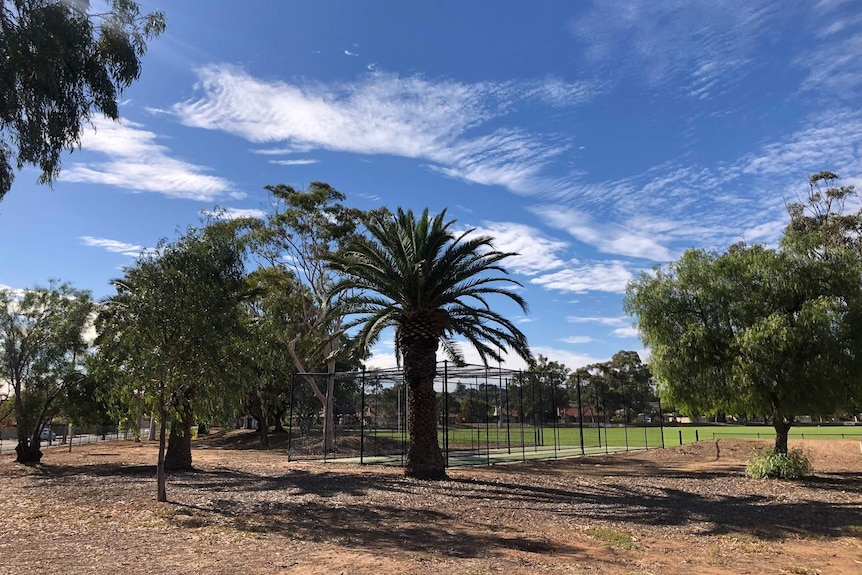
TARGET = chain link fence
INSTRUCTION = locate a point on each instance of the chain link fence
(485, 415)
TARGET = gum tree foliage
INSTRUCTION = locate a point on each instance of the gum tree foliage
(41, 348)
(301, 231)
(754, 331)
(431, 285)
(619, 385)
(59, 66)
(274, 315)
(819, 224)
(540, 391)
(168, 337)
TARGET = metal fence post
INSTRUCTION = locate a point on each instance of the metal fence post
(290, 417)
(446, 409)
(580, 413)
(362, 421)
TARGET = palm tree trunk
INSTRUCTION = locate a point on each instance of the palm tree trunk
(424, 458)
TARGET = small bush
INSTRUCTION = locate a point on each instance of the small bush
(769, 464)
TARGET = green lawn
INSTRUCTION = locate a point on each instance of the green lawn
(481, 438)
(763, 432)
(480, 444)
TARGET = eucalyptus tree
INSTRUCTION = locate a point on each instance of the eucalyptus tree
(42, 344)
(542, 390)
(60, 65)
(625, 383)
(753, 331)
(301, 231)
(273, 316)
(169, 336)
(430, 284)
(820, 223)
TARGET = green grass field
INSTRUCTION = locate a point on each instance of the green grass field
(480, 437)
(478, 444)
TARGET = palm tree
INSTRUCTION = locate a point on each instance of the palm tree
(430, 284)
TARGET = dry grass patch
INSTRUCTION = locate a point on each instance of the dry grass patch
(250, 511)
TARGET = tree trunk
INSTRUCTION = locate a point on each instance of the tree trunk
(160, 467)
(28, 448)
(152, 436)
(782, 428)
(179, 454)
(277, 416)
(424, 458)
(263, 429)
(28, 451)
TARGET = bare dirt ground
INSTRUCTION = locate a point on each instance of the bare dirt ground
(687, 509)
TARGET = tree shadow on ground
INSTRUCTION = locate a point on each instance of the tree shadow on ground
(366, 509)
(720, 513)
(355, 509)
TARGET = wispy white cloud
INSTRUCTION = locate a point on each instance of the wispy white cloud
(113, 246)
(557, 92)
(607, 238)
(626, 332)
(137, 162)
(293, 149)
(536, 252)
(675, 205)
(305, 162)
(701, 44)
(578, 339)
(829, 139)
(349, 53)
(580, 277)
(442, 122)
(613, 321)
(567, 357)
(832, 51)
(235, 213)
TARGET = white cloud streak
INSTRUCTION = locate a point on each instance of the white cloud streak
(536, 252)
(626, 332)
(606, 276)
(607, 238)
(137, 162)
(235, 213)
(113, 246)
(305, 162)
(700, 44)
(578, 339)
(444, 123)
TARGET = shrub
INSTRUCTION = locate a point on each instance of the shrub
(769, 464)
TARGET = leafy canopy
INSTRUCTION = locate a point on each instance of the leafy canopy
(752, 331)
(420, 277)
(60, 65)
(41, 345)
(171, 330)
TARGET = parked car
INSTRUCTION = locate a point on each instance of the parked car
(47, 435)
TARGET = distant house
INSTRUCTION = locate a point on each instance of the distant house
(572, 414)
(505, 415)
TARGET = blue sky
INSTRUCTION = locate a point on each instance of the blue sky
(597, 139)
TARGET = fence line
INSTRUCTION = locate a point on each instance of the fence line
(485, 415)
